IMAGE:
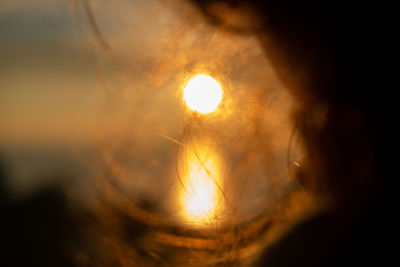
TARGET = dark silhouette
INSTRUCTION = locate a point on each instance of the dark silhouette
(36, 230)
(334, 54)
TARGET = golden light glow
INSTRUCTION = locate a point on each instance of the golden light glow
(202, 94)
(200, 195)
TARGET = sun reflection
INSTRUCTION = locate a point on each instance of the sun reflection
(202, 94)
(200, 195)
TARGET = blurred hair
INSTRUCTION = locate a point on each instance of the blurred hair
(319, 58)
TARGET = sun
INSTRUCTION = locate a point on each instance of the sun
(202, 94)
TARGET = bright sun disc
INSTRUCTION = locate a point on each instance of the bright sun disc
(202, 94)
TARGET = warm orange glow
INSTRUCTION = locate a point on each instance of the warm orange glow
(200, 195)
(202, 94)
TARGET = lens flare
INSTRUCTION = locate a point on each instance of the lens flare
(200, 195)
(202, 94)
